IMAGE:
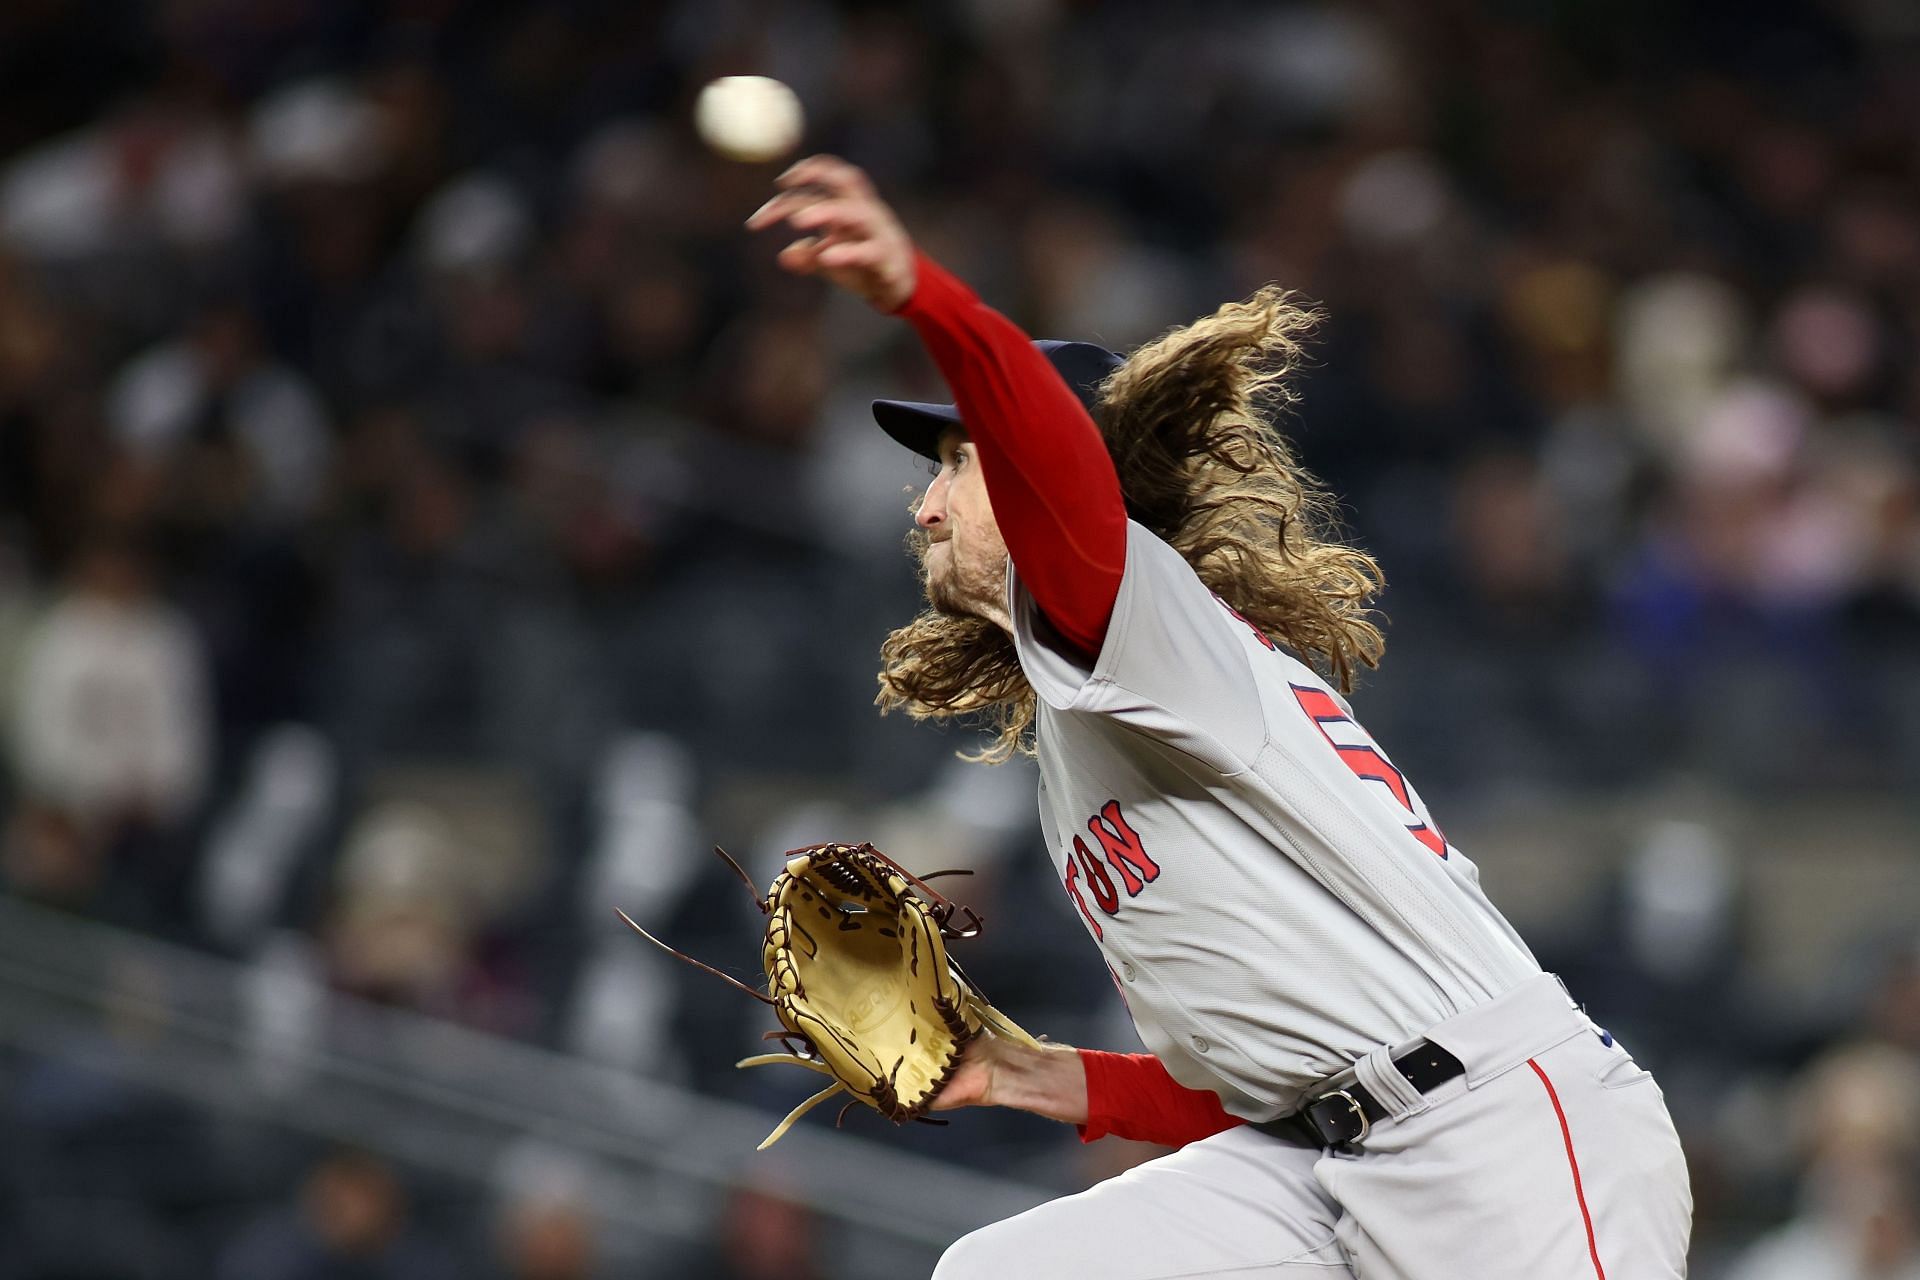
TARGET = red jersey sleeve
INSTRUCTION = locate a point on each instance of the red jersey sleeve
(1055, 494)
(1130, 1095)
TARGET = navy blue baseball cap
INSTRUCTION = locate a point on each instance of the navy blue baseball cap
(918, 426)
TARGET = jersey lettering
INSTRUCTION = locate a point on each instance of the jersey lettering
(1123, 848)
(1097, 878)
(1073, 891)
(1365, 760)
(1127, 853)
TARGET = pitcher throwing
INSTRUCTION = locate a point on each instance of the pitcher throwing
(1364, 1069)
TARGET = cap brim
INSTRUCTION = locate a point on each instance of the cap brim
(917, 426)
(1081, 365)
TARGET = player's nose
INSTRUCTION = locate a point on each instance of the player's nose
(932, 510)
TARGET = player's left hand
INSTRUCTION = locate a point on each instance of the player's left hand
(972, 1082)
(1044, 1078)
(851, 236)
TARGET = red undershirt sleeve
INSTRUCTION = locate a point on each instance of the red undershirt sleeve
(1130, 1095)
(1055, 494)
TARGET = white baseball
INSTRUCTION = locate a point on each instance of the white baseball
(749, 118)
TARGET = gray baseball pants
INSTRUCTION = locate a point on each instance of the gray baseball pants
(1552, 1158)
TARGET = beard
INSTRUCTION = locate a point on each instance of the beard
(937, 579)
(960, 587)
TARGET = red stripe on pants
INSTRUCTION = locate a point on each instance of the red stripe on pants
(1579, 1194)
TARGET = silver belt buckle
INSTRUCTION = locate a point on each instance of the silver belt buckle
(1359, 1112)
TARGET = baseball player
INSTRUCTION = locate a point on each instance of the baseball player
(1364, 1069)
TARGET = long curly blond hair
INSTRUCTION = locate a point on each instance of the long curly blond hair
(1188, 422)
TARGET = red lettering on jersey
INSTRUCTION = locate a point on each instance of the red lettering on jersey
(1097, 878)
(1258, 634)
(1073, 889)
(1123, 848)
(1366, 761)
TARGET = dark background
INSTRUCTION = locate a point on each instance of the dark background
(427, 521)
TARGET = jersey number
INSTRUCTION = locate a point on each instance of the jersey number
(1366, 761)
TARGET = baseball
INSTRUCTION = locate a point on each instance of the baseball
(748, 118)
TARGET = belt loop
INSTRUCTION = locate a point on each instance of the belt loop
(1389, 1088)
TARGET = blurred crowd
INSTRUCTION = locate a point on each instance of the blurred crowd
(427, 519)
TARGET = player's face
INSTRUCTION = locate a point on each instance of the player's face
(963, 561)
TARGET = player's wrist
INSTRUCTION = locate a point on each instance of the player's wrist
(1048, 1080)
(901, 287)
(937, 293)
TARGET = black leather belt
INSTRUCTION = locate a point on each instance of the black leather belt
(1341, 1116)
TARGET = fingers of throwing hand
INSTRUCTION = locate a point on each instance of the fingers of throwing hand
(802, 257)
(813, 181)
(846, 254)
(830, 173)
(784, 205)
(810, 211)
(841, 217)
(844, 229)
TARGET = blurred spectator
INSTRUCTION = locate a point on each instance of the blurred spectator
(283, 1004)
(1861, 1223)
(352, 1219)
(424, 896)
(50, 857)
(94, 1169)
(316, 131)
(402, 922)
(548, 1240)
(648, 853)
(762, 1235)
(113, 745)
(19, 610)
(153, 172)
(248, 436)
(1860, 1189)
(546, 1226)
(1666, 958)
(1893, 1009)
(1511, 545)
(253, 848)
(112, 714)
(1680, 336)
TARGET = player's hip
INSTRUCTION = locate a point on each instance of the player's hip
(1394, 1081)
(1564, 1164)
(1542, 1150)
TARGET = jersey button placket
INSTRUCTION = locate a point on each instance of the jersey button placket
(1126, 970)
(1201, 1044)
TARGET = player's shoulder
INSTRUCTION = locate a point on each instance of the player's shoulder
(1162, 580)
(1158, 573)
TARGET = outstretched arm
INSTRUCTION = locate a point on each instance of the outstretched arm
(1054, 491)
(1129, 1095)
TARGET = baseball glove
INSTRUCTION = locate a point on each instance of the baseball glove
(858, 974)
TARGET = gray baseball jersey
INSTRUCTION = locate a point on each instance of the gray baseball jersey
(1272, 897)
